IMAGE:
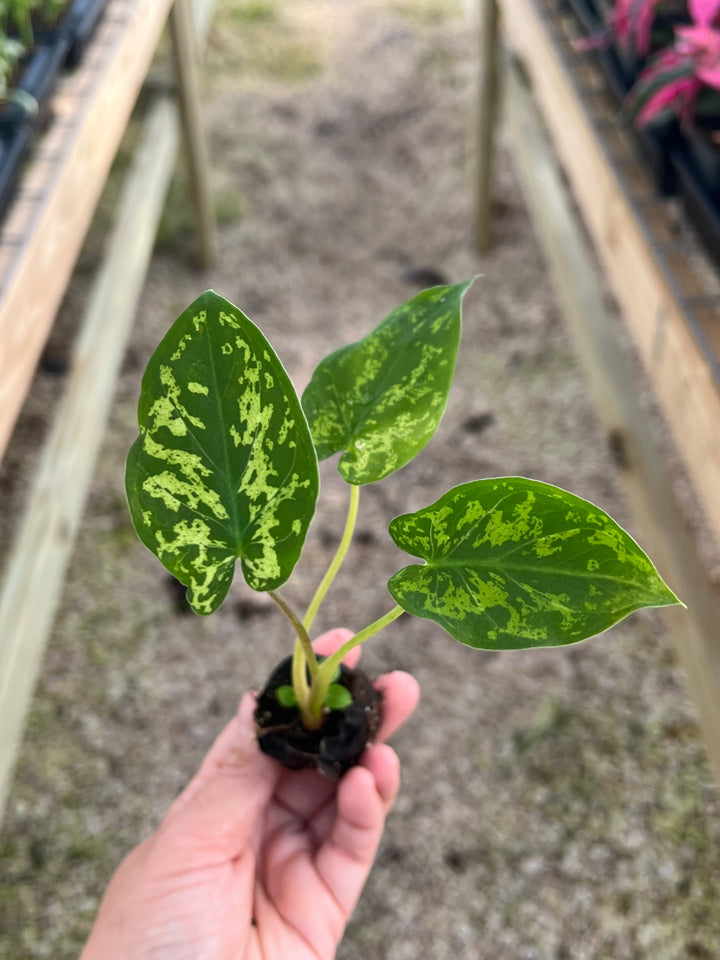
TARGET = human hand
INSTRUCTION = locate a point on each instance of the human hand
(252, 860)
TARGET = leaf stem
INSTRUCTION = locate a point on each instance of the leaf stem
(327, 668)
(302, 635)
(337, 560)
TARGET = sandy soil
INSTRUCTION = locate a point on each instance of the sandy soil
(556, 804)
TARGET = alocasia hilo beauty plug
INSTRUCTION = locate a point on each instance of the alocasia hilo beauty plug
(226, 468)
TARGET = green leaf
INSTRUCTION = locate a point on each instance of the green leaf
(224, 466)
(286, 696)
(338, 697)
(381, 399)
(512, 563)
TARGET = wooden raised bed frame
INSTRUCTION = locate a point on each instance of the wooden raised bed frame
(673, 319)
(38, 248)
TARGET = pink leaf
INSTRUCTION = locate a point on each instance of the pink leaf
(632, 21)
(703, 12)
(696, 39)
(710, 75)
(595, 41)
(645, 16)
(679, 95)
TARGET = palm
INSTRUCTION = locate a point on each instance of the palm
(293, 881)
(254, 862)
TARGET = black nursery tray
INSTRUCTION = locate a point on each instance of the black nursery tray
(698, 171)
(36, 83)
(81, 23)
(14, 147)
(75, 26)
(29, 113)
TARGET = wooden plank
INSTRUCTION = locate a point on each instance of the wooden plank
(94, 119)
(680, 373)
(42, 550)
(647, 480)
(36, 567)
(185, 56)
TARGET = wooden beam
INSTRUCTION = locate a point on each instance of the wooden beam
(647, 480)
(185, 57)
(681, 376)
(36, 567)
(44, 545)
(486, 120)
(45, 237)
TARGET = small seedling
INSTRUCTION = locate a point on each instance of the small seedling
(226, 469)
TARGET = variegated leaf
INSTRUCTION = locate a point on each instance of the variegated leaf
(224, 467)
(513, 563)
(381, 399)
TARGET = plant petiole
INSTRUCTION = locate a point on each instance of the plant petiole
(337, 560)
(327, 668)
(300, 630)
(304, 660)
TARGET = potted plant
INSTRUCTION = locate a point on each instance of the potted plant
(50, 33)
(624, 34)
(37, 39)
(683, 82)
(225, 468)
(11, 52)
(674, 80)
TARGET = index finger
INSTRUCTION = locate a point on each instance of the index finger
(400, 692)
(331, 641)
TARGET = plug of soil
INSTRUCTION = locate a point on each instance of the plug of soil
(338, 744)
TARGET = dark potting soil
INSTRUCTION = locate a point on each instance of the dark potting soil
(338, 744)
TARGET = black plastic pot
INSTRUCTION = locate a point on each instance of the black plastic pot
(698, 172)
(13, 149)
(81, 22)
(75, 25)
(36, 81)
(338, 744)
(703, 155)
(658, 146)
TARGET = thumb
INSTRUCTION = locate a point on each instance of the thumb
(216, 814)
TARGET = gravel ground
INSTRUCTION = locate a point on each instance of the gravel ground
(556, 804)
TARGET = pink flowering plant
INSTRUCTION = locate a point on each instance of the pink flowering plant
(677, 77)
(629, 22)
(632, 22)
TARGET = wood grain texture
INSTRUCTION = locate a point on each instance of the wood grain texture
(36, 568)
(43, 234)
(43, 548)
(185, 59)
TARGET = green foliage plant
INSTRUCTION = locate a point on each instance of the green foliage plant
(17, 38)
(11, 52)
(16, 15)
(225, 468)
